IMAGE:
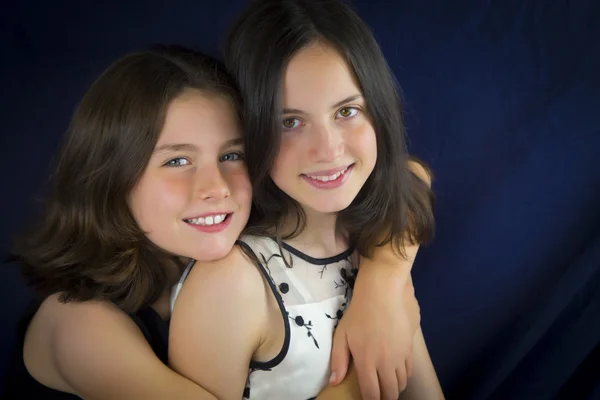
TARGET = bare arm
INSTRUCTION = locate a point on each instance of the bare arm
(385, 255)
(218, 323)
(101, 354)
(347, 390)
(381, 343)
(423, 384)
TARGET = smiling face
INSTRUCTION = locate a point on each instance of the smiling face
(328, 145)
(193, 199)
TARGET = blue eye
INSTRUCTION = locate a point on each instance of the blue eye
(177, 162)
(347, 112)
(234, 156)
(290, 123)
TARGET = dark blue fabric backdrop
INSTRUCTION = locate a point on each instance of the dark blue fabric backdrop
(501, 98)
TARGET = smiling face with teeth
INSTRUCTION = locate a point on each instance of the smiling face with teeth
(328, 146)
(194, 197)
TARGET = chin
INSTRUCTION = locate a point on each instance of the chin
(212, 252)
(327, 207)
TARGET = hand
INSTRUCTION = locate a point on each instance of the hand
(378, 329)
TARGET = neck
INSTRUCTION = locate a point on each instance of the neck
(174, 271)
(321, 238)
(163, 305)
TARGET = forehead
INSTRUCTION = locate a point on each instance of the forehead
(318, 76)
(200, 118)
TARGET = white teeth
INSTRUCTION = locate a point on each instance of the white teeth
(329, 177)
(212, 220)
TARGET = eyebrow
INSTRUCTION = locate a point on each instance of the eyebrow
(348, 99)
(233, 143)
(175, 147)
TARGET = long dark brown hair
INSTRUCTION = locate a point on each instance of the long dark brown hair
(86, 244)
(394, 204)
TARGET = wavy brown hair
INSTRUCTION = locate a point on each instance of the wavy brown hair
(86, 244)
(394, 204)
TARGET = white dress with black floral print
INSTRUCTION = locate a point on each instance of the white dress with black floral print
(312, 294)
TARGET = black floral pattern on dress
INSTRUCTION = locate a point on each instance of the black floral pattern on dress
(284, 287)
(322, 270)
(348, 277)
(338, 315)
(347, 282)
(267, 260)
(308, 325)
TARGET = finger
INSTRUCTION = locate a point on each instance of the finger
(402, 379)
(340, 358)
(409, 365)
(367, 380)
(389, 382)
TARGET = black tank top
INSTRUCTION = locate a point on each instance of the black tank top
(21, 385)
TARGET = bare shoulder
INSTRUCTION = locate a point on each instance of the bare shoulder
(75, 323)
(67, 343)
(84, 330)
(74, 311)
(420, 170)
(219, 320)
(98, 352)
(229, 288)
(234, 277)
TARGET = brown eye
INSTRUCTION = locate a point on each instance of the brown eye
(290, 123)
(348, 112)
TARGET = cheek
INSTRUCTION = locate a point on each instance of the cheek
(286, 162)
(363, 142)
(240, 185)
(157, 198)
(173, 192)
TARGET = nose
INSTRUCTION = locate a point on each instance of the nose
(211, 184)
(328, 144)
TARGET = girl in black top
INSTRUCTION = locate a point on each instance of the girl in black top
(120, 223)
(21, 385)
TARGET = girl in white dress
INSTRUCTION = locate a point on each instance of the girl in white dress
(326, 153)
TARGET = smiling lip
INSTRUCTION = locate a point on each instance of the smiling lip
(211, 214)
(331, 184)
(214, 228)
(328, 172)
